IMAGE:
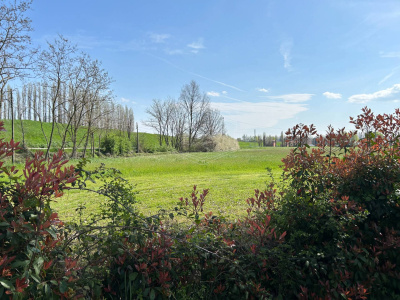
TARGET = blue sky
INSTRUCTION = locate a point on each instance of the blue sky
(266, 65)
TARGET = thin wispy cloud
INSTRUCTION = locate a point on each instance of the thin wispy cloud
(173, 51)
(330, 95)
(195, 74)
(390, 54)
(159, 38)
(383, 19)
(248, 116)
(263, 90)
(224, 92)
(196, 46)
(199, 44)
(293, 98)
(386, 78)
(234, 99)
(219, 82)
(379, 95)
(126, 100)
(213, 94)
(286, 52)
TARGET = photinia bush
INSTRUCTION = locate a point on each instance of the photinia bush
(343, 207)
(32, 261)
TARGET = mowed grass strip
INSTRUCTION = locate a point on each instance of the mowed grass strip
(161, 179)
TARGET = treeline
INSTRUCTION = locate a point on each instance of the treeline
(265, 140)
(186, 124)
(71, 111)
(72, 91)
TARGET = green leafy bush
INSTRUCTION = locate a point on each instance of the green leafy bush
(33, 263)
(116, 145)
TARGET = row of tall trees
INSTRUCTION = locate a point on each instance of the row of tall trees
(72, 113)
(265, 140)
(181, 123)
(71, 89)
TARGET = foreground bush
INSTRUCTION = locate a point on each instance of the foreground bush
(329, 231)
(33, 262)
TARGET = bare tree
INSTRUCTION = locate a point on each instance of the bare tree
(55, 65)
(177, 124)
(157, 120)
(99, 86)
(196, 105)
(214, 123)
(15, 54)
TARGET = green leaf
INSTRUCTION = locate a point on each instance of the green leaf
(4, 224)
(63, 287)
(47, 289)
(152, 294)
(6, 283)
(20, 263)
(37, 269)
(35, 277)
(133, 276)
(52, 232)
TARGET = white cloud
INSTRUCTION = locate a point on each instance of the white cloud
(224, 92)
(199, 44)
(364, 98)
(293, 98)
(159, 38)
(173, 52)
(124, 100)
(390, 54)
(263, 90)
(330, 95)
(241, 117)
(213, 94)
(285, 50)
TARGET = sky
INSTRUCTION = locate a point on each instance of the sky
(267, 65)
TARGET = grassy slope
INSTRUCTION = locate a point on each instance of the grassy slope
(34, 137)
(162, 179)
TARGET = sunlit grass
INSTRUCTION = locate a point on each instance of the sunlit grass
(162, 179)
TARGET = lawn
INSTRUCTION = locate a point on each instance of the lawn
(161, 179)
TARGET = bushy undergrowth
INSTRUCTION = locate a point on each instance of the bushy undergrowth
(116, 145)
(329, 231)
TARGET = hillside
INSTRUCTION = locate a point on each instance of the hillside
(30, 133)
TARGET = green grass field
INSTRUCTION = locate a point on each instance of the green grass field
(161, 179)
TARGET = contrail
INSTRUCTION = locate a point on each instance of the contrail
(233, 99)
(195, 74)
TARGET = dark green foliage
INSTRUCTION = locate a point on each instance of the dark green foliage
(116, 145)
